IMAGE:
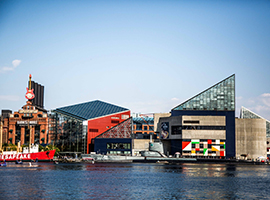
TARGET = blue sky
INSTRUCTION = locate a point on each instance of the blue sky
(148, 56)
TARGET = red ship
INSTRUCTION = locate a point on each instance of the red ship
(40, 156)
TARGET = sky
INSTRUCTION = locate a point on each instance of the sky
(147, 56)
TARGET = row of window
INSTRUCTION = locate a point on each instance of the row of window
(145, 127)
(118, 145)
(119, 152)
(144, 133)
(177, 130)
(27, 115)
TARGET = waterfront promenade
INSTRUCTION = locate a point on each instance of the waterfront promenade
(134, 181)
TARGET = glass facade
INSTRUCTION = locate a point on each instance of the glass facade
(67, 133)
(219, 97)
(247, 114)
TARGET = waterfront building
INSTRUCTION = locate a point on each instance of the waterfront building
(248, 114)
(204, 125)
(143, 127)
(121, 140)
(29, 124)
(116, 141)
(252, 135)
(77, 125)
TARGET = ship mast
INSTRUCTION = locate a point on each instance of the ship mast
(29, 126)
(1, 131)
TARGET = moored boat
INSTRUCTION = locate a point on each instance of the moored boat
(40, 156)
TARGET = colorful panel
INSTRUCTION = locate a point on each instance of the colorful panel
(215, 148)
(205, 152)
(222, 153)
(195, 141)
(202, 147)
(186, 146)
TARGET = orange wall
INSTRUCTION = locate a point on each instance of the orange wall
(103, 124)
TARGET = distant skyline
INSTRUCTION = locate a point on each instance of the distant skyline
(147, 56)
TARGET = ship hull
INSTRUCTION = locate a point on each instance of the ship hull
(40, 156)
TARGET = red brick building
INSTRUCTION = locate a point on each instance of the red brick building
(17, 126)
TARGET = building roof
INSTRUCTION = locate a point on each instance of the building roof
(90, 110)
(143, 120)
(220, 96)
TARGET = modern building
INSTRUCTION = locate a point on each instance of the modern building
(204, 125)
(248, 114)
(76, 126)
(143, 127)
(117, 140)
(252, 135)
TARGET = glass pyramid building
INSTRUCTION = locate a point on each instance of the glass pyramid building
(247, 114)
(220, 97)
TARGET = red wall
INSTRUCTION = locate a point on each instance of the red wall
(102, 124)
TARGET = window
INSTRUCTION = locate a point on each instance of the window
(192, 121)
(93, 130)
(138, 126)
(125, 116)
(203, 127)
(145, 128)
(118, 145)
(176, 130)
(201, 146)
(192, 145)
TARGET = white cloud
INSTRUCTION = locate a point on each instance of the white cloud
(259, 105)
(266, 95)
(175, 99)
(15, 64)
(4, 69)
(238, 98)
(9, 97)
(265, 98)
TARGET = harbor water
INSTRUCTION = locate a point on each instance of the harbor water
(134, 181)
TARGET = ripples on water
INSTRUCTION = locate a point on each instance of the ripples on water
(134, 181)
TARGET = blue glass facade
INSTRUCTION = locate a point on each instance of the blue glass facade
(221, 96)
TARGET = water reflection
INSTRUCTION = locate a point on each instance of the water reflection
(134, 181)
